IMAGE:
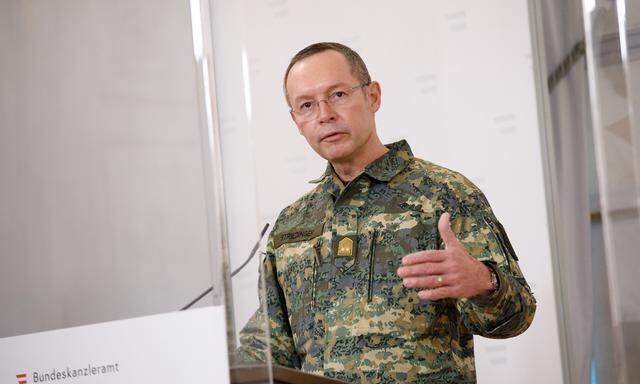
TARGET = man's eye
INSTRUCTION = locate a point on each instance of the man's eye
(306, 105)
(340, 94)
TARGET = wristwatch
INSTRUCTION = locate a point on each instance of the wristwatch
(495, 283)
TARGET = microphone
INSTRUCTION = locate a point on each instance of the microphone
(235, 272)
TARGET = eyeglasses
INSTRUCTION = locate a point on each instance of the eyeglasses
(308, 109)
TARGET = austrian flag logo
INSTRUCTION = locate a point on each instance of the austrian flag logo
(22, 378)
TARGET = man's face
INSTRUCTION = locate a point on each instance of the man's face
(337, 133)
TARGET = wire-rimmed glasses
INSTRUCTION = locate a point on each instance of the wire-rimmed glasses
(308, 109)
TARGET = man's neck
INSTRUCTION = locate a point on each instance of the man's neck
(348, 169)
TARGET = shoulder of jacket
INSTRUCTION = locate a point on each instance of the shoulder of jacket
(436, 177)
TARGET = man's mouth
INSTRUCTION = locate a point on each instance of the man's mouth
(332, 136)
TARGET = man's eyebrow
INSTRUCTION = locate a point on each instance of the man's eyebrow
(328, 90)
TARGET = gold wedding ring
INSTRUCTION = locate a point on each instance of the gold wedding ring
(439, 279)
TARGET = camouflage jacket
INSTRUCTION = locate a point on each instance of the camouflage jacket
(335, 304)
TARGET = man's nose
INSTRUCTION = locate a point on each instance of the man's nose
(325, 111)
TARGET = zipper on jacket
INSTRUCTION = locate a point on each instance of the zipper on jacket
(372, 260)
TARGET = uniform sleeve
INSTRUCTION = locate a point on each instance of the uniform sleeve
(509, 310)
(254, 341)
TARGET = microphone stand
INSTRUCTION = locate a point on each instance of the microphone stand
(235, 272)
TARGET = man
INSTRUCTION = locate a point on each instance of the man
(385, 270)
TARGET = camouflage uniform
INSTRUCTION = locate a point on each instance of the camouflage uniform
(349, 316)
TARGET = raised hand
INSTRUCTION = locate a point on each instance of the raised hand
(446, 273)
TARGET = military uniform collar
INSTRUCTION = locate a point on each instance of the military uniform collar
(327, 172)
(391, 163)
(384, 168)
(329, 181)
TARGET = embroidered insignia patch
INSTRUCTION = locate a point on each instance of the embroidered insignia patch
(345, 247)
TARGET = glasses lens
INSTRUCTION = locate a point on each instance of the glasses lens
(305, 109)
(339, 97)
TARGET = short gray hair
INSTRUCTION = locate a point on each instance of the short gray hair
(358, 67)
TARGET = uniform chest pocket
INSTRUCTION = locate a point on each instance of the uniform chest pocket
(297, 263)
(415, 319)
(297, 266)
(392, 237)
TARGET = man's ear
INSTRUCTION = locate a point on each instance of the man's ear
(374, 93)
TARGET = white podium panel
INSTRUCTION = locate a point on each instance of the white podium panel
(179, 347)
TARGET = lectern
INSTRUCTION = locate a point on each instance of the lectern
(254, 374)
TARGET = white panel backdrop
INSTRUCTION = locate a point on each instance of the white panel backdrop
(457, 82)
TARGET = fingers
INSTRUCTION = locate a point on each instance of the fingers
(437, 293)
(430, 256)
(444, 227)
(423, 269)
(435, 281)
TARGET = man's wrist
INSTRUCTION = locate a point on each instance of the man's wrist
(494, 281)
(491, 282)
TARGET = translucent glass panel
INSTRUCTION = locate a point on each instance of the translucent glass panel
(457, 82)
(612, 51)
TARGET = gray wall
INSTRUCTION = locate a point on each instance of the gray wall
(102, 202)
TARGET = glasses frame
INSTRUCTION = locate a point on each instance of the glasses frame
(316, 103)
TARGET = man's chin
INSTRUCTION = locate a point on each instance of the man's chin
(336, 153)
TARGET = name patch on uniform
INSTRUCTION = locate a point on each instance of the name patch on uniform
(297, 234)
